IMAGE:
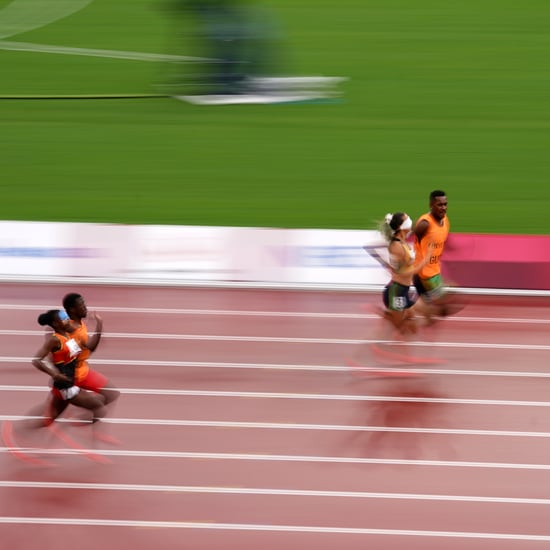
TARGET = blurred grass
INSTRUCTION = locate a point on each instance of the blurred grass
(442, 94)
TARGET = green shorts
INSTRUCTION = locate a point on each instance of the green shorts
(430, 289)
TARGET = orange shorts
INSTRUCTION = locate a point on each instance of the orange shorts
(94, 381)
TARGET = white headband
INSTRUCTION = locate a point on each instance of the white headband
(407, 224)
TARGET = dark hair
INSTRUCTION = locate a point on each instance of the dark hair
(70, 300)
(391, 224)
(48, 318)
(396, 220)
(437, 193)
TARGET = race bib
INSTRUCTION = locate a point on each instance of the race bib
(73, 347)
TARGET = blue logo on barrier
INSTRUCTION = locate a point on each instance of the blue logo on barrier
(49, 252)
(339, 257)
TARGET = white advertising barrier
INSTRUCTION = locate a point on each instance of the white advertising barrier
(183, 253)
(333, 257)
(43, 249)
(207, 253)
(221, 256)
(189, 253)
(255, 254)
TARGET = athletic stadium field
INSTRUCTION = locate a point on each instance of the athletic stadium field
(440, 94)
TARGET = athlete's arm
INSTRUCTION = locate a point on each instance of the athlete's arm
(94, 339)
(371, 250)
(50, 345)
(420, 229)
(416, 268)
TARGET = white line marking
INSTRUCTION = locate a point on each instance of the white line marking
(290, 367)
(327, 427)
(305, 396)
(89, 52)
(260, 313)
(289, 340)
(24, 15)
(194, 284)
(294, 426)
(267, 491)
(187, 311)
(256, 457)
(269, 528)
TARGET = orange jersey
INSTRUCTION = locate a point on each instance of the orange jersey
(68, 351)
(65, 359)
(81, 336)
(436, 234)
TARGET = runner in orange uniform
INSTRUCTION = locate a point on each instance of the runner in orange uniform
(63, 350)
(85, 377)
(431, 231)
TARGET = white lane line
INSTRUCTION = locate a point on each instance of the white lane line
(90, 52)
(187, 311)
(257, 457)
(261, 313)
(304, 396)
(290, 367)
(267, 492)
(289, 340)
(296, 426)
(269, 528)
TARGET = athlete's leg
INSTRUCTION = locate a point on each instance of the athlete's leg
(95, 381)
(93, 402)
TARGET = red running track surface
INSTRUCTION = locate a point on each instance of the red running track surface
(242, 425)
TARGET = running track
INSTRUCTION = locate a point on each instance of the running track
(241, 426)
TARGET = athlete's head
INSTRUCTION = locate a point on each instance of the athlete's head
(75, 305)
(55, 318)
(394, 223)
(438, 204)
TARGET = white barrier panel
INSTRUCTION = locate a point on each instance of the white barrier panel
(180, 253)
(255, 254)
(333, 256)
(189, 253)
(62, 249)
(207, 253)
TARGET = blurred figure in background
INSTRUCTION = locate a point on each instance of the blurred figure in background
(237, 56)
(237, 40)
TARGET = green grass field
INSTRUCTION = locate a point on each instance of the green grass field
(442, 94)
